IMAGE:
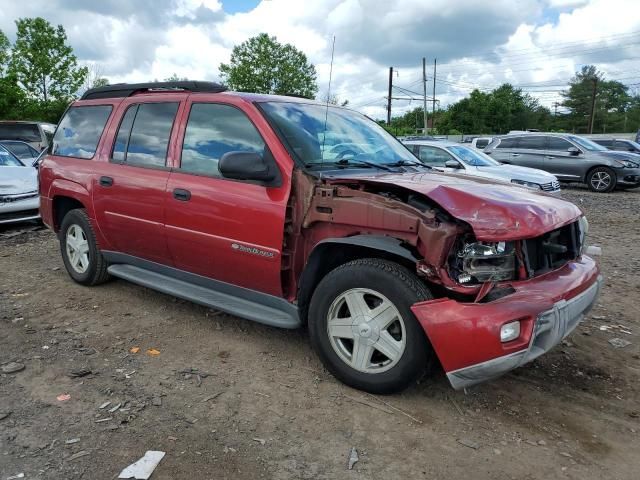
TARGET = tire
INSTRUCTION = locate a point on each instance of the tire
(601, 180)
(374, 282)
(89, 267)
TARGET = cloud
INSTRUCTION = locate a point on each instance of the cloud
(535, 44)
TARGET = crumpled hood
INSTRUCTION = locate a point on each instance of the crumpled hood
(16, 180)
(495, 211)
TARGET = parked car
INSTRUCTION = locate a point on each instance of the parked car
(456, 158)
(226, 199)
(619, 144)
(481, 142)
(571, 158)
(36, 134)
(19, 200)
(25, 152)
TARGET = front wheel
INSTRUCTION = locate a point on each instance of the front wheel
(601, 180)
(362, 327)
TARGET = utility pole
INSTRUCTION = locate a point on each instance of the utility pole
(389, 97)
(593, 105)
(424, 90)
(555, 109)
(433, 118)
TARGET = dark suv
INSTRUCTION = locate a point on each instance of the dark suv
(571, 158)
(237, 202)
(619, 144)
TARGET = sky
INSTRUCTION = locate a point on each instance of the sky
(536, 45)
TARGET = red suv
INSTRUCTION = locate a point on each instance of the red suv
(290, 212)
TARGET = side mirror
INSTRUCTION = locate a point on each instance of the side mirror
(573, 151)
(247, 166)
(452, 164)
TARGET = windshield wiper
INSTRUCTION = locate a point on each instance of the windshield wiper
(404, 163)
(344, 163)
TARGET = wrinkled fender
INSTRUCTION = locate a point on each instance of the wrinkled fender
(316, 267)
(377, 242)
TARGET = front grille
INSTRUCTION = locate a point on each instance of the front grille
(17, 197)
(551, 250)
(551, 186)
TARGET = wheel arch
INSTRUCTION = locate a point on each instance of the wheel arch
(66, 195)
(330, 253)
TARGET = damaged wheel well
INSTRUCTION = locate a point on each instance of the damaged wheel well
(331, 253)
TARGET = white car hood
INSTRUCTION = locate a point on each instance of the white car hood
(511, 172)
(17, 180)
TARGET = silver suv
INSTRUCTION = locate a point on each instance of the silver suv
(571, 158)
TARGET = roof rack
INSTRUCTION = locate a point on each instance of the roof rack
(128, 89)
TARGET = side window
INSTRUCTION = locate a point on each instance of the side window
(433, 156)
(482, 143)
(80, 130)
(622, 146)
(122, 139)
(213, 130)
(532, 143)
(558, 144)
(143, 135)
(509, 142)
(605, 143)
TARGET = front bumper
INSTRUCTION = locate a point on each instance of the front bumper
(19, 208)
(628, 176)
(466, 336)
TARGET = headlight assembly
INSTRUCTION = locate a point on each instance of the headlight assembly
(531, 185)
(480, 262)
(626, 164)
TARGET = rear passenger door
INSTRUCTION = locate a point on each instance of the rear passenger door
(228, 230)
(129, 196)
(530, 151)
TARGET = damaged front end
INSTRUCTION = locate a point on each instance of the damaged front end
(509, 289)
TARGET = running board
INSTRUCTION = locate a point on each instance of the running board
(272, 315)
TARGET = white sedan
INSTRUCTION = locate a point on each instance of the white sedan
(455, 158)
(19, 199)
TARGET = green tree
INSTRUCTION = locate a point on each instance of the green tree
(175, 78)
(611, 101)
(11, 96)
(263, 65)
(42, 62)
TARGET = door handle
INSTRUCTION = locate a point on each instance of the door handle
(106, 181)
(550, 157)
(515, 154)
(182, 194)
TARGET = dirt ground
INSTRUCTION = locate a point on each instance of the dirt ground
(228, 398)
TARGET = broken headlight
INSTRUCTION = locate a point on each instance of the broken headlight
(480, 262)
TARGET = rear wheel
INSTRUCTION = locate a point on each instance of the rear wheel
(601, 179)
(362, 327)
(80, 253)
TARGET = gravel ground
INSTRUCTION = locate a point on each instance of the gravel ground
(227, 398)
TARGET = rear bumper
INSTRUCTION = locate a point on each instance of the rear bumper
(466, 336)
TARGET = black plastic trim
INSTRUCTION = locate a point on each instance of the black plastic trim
(120, 90)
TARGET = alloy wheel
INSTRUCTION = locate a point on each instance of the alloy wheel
(600, 180)
(366, 330)
(77, 247)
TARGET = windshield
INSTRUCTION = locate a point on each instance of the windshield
(588, 144)
(472, 157)
(8, 160)
(348, 135)
(27, 132)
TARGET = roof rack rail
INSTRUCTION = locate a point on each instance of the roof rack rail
(128, 89)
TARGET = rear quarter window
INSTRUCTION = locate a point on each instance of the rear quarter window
(510, 142)
(80, 130)
(26, 132)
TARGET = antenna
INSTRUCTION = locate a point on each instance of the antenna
(326, 112)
